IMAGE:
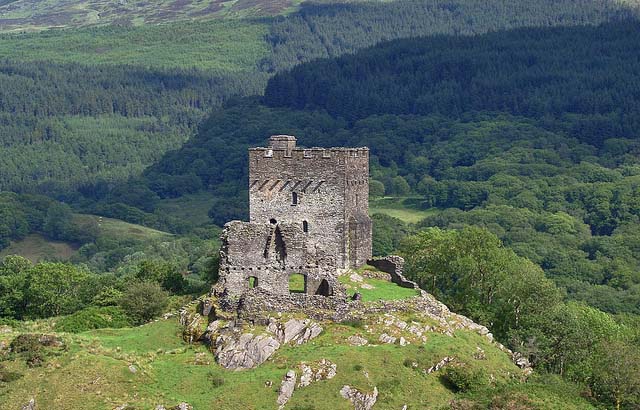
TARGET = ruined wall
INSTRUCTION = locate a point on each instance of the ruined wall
(264, 256)
(324, 191)
(394, 266)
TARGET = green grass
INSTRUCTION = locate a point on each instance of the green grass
(397, 208)
(94, 373)
(296, 283)
(221, 45)
(382, 289)
(193, 208)
(36, 248)
(117, 229)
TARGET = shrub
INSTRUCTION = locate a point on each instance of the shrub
(358, 367)
(94, 318)
(143, 301)
(216, 381)
(464, 379)
(7, 376)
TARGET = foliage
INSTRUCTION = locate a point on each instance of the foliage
(53, 289)
(143, 301)
(93, 318)
(463, 378)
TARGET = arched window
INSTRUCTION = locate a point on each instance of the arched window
(273, 221)
(294, 198)
(305, 226)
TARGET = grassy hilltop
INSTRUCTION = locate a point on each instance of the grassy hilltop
(151, 365)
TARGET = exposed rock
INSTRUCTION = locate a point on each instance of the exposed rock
(160, 407)
(201, 359)
(322, 370)
(30, 406)
(193, 328)
(356, 296)
(183, 406)
(357, 340)
(133, 369)
(295, 330)
(403, 341)
(442, 363)
(360, 401)
(354, 277)
(244, 352)
(385, 338)
(286, 388)
(5, 329)
(479, 354)
(367, 286)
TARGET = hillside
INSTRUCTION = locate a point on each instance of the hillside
(150, 365)
(26, 15)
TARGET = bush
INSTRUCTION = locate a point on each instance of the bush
(143, 301)
(464, 379)
(216, 381)
(94, 318)
(7, 376)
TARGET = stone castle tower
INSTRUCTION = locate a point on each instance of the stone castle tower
(308, 212)
(325, 191)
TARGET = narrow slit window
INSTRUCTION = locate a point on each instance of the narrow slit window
(294, 198)
(305, 226)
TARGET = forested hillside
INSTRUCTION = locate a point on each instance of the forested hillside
(94, 106)
(539, 147)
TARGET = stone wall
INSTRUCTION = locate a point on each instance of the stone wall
(324, 191)
(393, 265)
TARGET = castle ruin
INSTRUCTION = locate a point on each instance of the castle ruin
(309, 215)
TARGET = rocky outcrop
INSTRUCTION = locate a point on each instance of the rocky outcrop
(30, 406)
(295, 330)
(357, 340)
(244, 352)
(322, 370)
(181, 406)
(360, 400)
(442, 363)
(286, 388)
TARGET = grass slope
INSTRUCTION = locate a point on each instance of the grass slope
(224, 45)
(43, 14)
(397, 207)
(36, 247)
(94, 373)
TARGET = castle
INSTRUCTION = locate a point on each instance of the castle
(308, 215)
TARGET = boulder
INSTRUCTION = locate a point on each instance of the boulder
(295, 330)
(30, 406)
(357, 340)
(286, 388)
(244, 352)
(360, 400)
(385, 338)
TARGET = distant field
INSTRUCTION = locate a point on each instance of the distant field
(223, 45)
(115, 228)
(397, 208)
(37, 248)
(193, 209)
(43, 14)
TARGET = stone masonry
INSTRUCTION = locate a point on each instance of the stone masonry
(308, 211)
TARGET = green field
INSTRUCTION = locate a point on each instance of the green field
(36, 248)
(117, 229)
(397, 208)
(193, 208)
(223, 45)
